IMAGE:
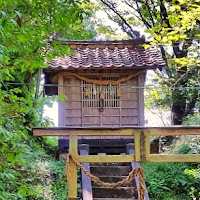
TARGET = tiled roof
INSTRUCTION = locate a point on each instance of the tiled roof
(108, 54)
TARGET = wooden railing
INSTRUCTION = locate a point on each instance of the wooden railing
(141, 140)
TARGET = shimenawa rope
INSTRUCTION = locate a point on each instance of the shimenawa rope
(96, 82)
(136, 172)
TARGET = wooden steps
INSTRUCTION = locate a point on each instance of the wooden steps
(112, 173)
(109, 172)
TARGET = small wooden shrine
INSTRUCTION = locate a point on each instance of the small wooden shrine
(104, 113)
(103, 82)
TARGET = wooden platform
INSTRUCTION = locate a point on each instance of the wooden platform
(140, 137)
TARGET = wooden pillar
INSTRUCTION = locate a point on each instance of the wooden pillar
(72, 184)
(137, 145)
(86, 181)
(134, 165)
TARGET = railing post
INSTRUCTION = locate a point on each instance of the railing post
(137, 145)
(144, 145)
(134, 165)
(72, 184)
(147, 144)
(86, 181)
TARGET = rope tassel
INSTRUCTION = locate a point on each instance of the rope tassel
(118, 92)
(102, 95)
(86, 92)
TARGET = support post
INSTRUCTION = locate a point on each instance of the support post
(72, 185)
(86, 181)
(137, 145)
(134, 165)
(144, 145)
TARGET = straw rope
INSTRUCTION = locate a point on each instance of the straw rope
(136, 172)
(96, 82)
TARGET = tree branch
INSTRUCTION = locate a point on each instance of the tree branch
(122, 25)
(133, 35)
(150, 14)
(163, 13)
(144, 21)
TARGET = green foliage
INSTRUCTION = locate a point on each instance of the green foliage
(168, 181)
(192, 119)
(27, 38)
(59, 186)
(184, 149)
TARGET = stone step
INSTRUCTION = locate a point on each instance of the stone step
(124, 192)
(108, 164)
(113, 179)
(110, 170)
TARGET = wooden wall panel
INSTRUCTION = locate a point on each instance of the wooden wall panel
(73, 96)
(141, 82)
(129, 104)
(111, 120)
(129, 120)
(73, 105)
(111, 111)
(72, 121)
(91, 120)
(131, 96)
(73, 113)
(129, 112)
(91, 111)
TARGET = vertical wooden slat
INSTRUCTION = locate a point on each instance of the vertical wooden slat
(120, 109)
(147, 143)
(141, 80)
(60, 103)
(72, 185)
(81, 90)
(137, 145)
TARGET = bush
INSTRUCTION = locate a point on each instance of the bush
(168, 181)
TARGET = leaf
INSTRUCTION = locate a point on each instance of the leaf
(3, 13)
(62, 97)
(18, 14)
(11, 157)
(23, 190)
(164, 24)
(14, 22)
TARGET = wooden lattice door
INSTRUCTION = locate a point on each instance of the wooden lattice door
(98, 112)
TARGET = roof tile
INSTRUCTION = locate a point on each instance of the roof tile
(115, 54)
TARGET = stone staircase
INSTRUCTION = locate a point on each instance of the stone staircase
(112, 173)
(109, 172)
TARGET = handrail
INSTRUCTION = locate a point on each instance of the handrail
(141, 136)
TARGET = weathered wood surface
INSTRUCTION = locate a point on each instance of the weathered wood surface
(114, 131)
(134, 165)
(77, 110)
(174, 158)
(86, 181)
(72, 185)
(106, 158)
(141, 137)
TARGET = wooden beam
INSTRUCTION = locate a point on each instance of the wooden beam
(173, 131)
(83, 132)
(111, 131)
(174, 158)
(72, 185)
(106, 158)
